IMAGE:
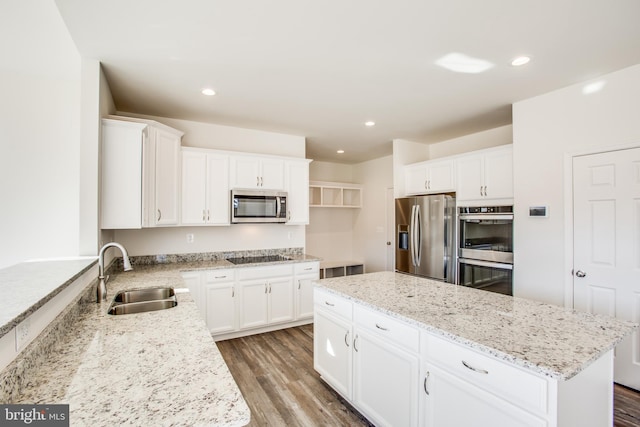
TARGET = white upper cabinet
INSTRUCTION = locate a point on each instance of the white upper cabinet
(485, 175)
(297, 185)
(140, 174)
(430, 177)
(257, 172)
(205, 187)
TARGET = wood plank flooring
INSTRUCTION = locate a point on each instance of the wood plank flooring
(275, 374)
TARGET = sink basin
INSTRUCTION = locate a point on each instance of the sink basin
(146, 294)
(143, 300)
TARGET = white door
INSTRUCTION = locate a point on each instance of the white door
(391, 231)
(194, 188)
(221, 307)
(280, 299)
(606, 209)
(332, 355)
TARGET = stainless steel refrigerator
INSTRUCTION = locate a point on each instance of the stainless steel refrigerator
(425, 236)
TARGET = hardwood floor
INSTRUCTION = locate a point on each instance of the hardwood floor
(275, 374)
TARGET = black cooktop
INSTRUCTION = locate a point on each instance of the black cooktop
(257, 259)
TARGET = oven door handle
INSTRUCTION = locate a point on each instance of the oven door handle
(476, 217)
(485, 263)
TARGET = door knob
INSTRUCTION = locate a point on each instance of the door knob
(388, 243)
(580, 273)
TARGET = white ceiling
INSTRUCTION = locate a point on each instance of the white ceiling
(320, 69)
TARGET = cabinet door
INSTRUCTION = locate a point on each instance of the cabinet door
(498, 174)
(297, 178)
(304, 295)
(415, 179)
(245, 172)
(167, 168)
(469, 171)
(450, 401)
(218, 195)
(253, 303)
(386, 381)
(221, 307)
(272, 174)
(440, 176)
(332, 355)
(194, 188)
(281, 299)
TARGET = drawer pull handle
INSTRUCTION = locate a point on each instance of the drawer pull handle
(346, 338)
(426, 377)
(355, 341)
(220, 277)
(480, 371)
(308, 268)
(381, 327)
(329, 304)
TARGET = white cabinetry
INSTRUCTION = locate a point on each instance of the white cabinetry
(369, 358)
(491, 392)
(386, 369)
(335, 195)
(297, 185)
(140, 174)
(304, 275)
(332, 332)
(429, 177)
(205, 187)
(221, 301)
(257, 172)
(484, 175)
(266, 295)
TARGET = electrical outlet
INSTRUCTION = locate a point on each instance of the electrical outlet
(23, 330)
(190, 238)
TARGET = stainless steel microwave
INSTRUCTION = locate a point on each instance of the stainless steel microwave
(249, 205)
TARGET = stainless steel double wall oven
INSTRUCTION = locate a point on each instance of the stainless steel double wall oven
(485, 248)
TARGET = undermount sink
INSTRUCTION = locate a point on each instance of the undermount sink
(143, 300)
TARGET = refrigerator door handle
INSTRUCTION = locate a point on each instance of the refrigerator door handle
(418, 236)
(412, 237)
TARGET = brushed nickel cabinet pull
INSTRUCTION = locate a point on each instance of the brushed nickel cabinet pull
(480, 371)
(346, 338)
(426, 377)
(329, 304)
(159, 215)
(355, 341)
(381, 327)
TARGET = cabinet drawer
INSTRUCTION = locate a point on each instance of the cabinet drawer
(307, 267)
(387, 327)
(509, 382)
(333, 303)
(264, 272)
(219, 276)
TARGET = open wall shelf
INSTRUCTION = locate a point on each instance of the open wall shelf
(330, 269)
(335, 195)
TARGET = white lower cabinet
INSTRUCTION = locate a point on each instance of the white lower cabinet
(304, 275)
(266, 295)
(372, 360)
(220, 299)
(453, 401)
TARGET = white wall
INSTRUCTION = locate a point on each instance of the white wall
(546, 129)
(173, 240)
(39, 133)
(330, 233)
(476, 141)
(370, 232)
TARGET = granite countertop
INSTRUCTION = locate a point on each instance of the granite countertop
(547, 339)
(27, 286)
(155, 368)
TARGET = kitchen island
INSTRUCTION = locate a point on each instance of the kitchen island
(506, 361)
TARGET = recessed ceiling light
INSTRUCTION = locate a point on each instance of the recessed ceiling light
(520, 60)
(369, 123)
(208, 92)
(461, 63)
(340, 151)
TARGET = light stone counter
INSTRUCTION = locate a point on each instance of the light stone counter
(547, 339)
(156, 368)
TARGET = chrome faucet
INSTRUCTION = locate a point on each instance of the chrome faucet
(101, 291)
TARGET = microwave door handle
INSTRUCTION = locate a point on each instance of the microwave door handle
(278, 208)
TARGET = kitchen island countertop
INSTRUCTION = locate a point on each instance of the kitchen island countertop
(547, 339)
